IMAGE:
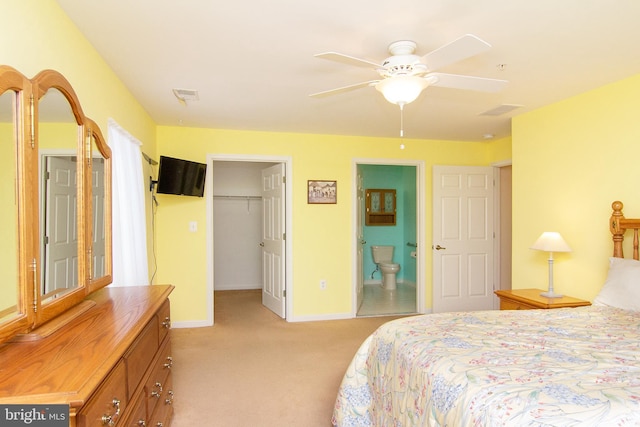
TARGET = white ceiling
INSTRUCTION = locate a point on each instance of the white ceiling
(252, 61)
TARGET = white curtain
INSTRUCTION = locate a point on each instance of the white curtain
(130, 267)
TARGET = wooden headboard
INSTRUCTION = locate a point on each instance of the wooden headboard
(618, 225)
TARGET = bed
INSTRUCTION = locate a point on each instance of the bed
(562, 367)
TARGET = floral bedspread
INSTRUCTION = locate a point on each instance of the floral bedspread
(563, 367)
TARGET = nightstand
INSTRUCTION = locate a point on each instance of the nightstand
(529, 299)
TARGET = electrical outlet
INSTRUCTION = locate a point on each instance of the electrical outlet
(323, 284)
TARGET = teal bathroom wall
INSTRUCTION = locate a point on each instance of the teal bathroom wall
(403, 180)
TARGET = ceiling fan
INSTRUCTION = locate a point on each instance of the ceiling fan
(404, 75)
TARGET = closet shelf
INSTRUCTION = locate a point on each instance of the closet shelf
(223, 196)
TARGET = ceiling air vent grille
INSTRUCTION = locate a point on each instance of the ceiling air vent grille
(501, 109)
(185, 95)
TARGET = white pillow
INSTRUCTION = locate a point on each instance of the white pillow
(622, 287)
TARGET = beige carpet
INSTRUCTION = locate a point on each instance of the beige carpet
(254, 369)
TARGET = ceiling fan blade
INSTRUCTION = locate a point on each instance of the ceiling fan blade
(347, 59)
(456, 81)
(343, 89)
(459, 49)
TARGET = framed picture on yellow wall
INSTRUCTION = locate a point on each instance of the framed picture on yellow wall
(322, 192)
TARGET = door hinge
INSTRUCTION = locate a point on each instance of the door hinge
(284, 236)
(284, 293)
(284, 179)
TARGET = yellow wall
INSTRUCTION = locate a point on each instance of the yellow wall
(322, 234)
(571, 160)
(37, 35)
(500, 150)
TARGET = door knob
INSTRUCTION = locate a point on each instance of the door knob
(262, 244)
(363, 242)
(438, 247)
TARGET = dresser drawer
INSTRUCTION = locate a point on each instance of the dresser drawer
(108, 403)
(514, 305)
(164, 319)
(163, 412)
(141, 354)
(156, 385)
(137, 417)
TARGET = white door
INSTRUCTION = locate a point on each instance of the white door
(462, 238)
(360, 242)
(61, 231)
(273, 243)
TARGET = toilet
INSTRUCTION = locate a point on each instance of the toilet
(383, 257)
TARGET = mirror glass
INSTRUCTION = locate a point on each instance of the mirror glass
(58, 143)
(98, 235)
(9, 287)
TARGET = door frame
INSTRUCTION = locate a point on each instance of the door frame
(498, 250)
(420, 226)
(287, 161)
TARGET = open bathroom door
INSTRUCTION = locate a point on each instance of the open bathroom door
(360, 242)
(273, 243)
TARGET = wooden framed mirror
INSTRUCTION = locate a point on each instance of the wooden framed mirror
(56, 170)
(59, 125)
(99, 236)
(16, 312)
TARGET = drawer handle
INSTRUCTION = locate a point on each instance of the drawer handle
(156, 393)
(169, 362)
(159, 424)
(142, 423)
(167, 322)
(110, 420)
(169, 400)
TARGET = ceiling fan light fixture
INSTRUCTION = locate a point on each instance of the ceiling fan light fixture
(402, 90)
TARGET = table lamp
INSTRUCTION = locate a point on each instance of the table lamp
(551, 241)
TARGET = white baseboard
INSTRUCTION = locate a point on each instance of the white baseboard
(191, 324)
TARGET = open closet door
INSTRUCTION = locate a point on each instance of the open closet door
(273, 239)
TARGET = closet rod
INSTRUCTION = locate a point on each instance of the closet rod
(222, 196)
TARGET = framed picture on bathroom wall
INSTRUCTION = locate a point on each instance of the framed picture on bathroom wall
(322, 192)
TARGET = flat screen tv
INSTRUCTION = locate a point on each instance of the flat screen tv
(182, 177)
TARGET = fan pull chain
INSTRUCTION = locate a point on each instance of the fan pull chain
(401, 120)
(401, 125)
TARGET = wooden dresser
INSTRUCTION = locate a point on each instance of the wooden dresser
(111, 363)
(530, 299)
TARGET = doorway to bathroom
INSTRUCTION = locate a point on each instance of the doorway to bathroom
(401, 185)
(249, 212)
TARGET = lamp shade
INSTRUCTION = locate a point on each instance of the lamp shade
(402, 90)
(551, 241)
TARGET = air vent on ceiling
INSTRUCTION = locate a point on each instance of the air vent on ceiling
(501, 109)
(185, 95)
